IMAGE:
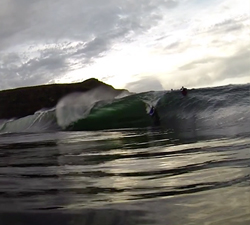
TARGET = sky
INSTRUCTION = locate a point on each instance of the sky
(138, 45)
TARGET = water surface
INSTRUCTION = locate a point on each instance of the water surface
(124, 176)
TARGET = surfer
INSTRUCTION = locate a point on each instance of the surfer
(154, 114)
(184, 91)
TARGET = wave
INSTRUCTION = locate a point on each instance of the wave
(77, 106)
(43, 120)
(202, 110)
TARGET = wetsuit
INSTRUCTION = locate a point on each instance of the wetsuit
(184, 91)
(154, 114)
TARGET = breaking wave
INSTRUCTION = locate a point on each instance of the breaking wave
(202, 110)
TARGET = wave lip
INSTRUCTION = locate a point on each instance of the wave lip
(77, 106)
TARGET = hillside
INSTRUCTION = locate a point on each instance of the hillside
(20, 102)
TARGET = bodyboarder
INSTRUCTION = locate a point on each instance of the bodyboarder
(184, 91)
(154, 114)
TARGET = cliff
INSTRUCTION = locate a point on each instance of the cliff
(20, 102)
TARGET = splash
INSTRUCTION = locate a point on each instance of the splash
(42, 120)
(77, 106)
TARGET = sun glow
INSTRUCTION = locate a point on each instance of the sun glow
(165, 48)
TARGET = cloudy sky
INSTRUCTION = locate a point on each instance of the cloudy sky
(138, 45)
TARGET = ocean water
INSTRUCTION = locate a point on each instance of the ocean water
(94, 160)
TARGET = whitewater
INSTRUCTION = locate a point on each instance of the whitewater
(98, 158)
(202, 110)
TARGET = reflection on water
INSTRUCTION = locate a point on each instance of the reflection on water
(143, 176)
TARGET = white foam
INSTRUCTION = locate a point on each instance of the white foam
(78, 105)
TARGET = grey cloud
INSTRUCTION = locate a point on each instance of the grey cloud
(94, 25)
(218, 31)
(198, 63)
(235, 66)
(74, 20)
(92, 49)
(234, 27)
(145, 84)
(52, 61)
(171, 3)
(189, 66)
(229, 25)
(14, 20)
(209, 71)
(16, 73)
(83, 30)
(172, 46)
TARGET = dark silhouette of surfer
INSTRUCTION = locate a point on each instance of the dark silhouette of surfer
(184, 91)
(154, 114)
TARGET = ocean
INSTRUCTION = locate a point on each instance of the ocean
(101, 159)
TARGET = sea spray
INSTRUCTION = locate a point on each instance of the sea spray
(151, 98)
(78, 105)
(42, 120)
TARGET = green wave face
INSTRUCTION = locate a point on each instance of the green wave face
(129, 112)
(202, 109)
